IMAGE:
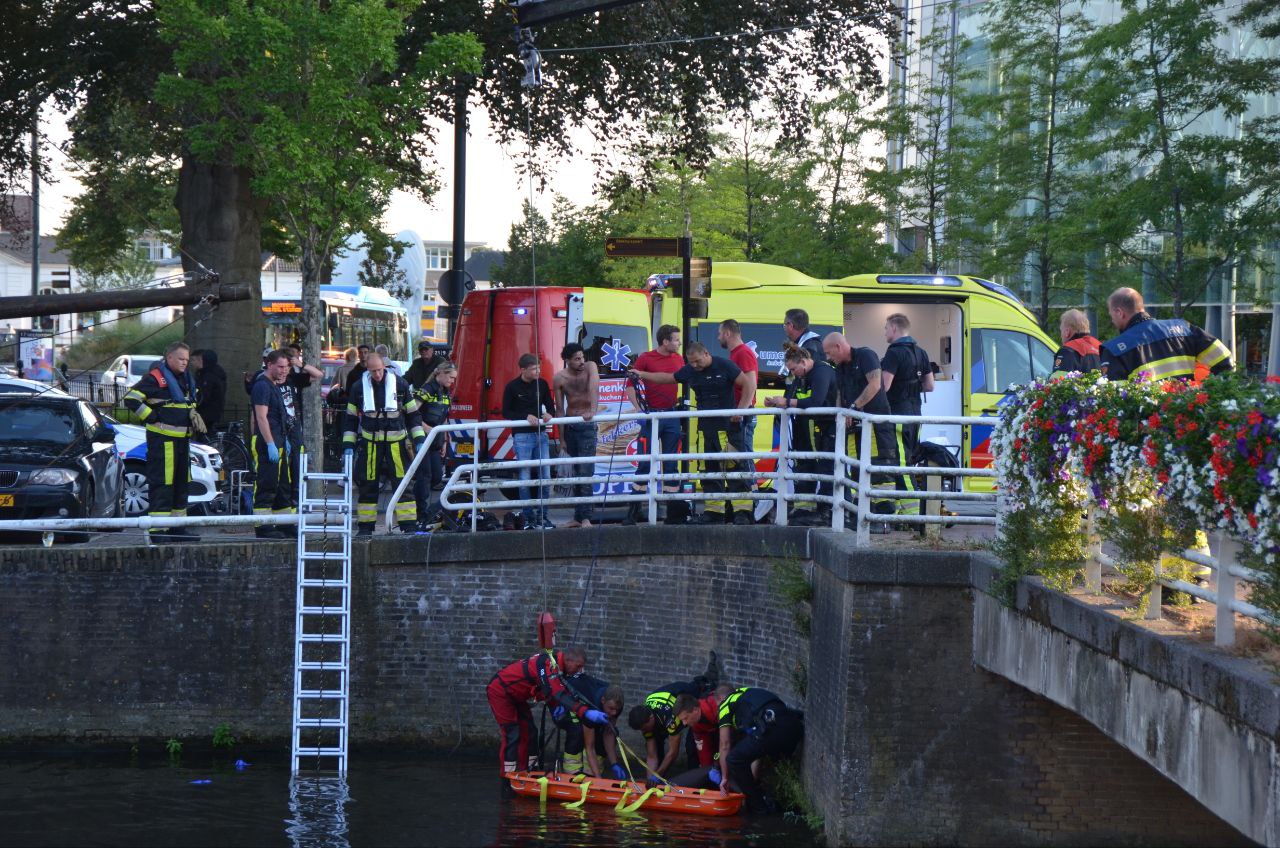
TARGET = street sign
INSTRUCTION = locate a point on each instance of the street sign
(700, 278)
(61, 279)
(618, 248)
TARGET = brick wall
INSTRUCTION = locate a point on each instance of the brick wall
(922, 747)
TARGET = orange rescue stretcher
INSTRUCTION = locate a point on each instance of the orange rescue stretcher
(624, 795)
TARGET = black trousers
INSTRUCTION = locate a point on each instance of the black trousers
(778, 739)
(812, 434)
(906, 439)
(275, 483)
(168, 474)
(728, 439)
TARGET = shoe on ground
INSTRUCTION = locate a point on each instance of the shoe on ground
(364, 530)
(709, 518)
(269, 532)
(547, 524)
(879, 528)
(181, 534)
(800, 516)
(633, 514)
(741, 518)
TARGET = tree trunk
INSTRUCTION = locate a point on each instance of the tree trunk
(222, 230)
(312, 414)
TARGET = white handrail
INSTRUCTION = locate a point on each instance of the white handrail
(475, 487)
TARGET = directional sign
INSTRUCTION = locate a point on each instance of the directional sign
(700, 277)
(616, 248)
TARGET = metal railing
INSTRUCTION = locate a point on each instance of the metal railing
(1227, 570)
(471, 485)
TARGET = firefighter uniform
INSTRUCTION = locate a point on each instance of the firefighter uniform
(1165, 350)
(908, 363)
(509, 692)
(381, 419)
(164, 403)
(761, 725)
(434, 401)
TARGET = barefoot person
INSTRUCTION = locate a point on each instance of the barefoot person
(577, 391)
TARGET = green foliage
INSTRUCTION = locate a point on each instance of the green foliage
(1047, 544)
(222, 736)
(569, 247)
(788, 581)
(788, 790)
(174, 749)
(96, 348)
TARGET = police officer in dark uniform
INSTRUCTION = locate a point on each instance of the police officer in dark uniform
(382, 416)
(755, 723)
(435, 397)
(812, 385)
(657, 721)
(1169, 349)
(164, 400)
(859, 386)
(907, 374)
(585, 746)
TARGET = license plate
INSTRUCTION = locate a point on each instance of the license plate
(464, 449)
(6, 500)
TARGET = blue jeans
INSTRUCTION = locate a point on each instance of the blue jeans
(669, 433)
(532, 446)
(580, 440)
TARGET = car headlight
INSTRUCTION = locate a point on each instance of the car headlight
(198, 460)
(215, 460)
(54, 477)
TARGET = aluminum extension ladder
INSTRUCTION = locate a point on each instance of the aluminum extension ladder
(322, 647)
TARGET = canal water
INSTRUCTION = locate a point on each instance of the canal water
(108, 800)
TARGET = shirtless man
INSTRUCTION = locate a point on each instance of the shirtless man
(577, 391)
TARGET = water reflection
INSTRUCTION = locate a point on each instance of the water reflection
(318, 812)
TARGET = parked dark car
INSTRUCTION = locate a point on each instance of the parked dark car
(58, 459)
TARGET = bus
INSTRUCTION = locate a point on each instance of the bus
(350, 316)
(433, 328)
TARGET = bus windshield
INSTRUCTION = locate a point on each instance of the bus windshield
(343, 325)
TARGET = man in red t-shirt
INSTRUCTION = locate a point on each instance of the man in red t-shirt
(730, 337)
(658, 397)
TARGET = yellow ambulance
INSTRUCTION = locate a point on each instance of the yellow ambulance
(978, 333)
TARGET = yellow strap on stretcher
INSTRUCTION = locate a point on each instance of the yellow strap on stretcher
(631, 808)
(586, 788)
(542, 790)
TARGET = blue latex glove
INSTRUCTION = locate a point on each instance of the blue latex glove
(654, 780)
(714, 776)
(273, 452)
(596, 717)
(417, 445)
(557, 714)
(617, 771)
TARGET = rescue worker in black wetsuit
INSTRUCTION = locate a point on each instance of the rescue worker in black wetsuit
(589, 749)
(907, 374)
(813, 385)
(435, 398)
(1080, 351)
(859, 386)
(755, 723)
(165, 400)
(381, 418)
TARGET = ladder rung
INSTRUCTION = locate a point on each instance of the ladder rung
(326, 556)
(327, 476)
(324, 584)
(321, 695)
(335, 611)
(329, 638)
(319, 666)
(321, 752)
(323, 722)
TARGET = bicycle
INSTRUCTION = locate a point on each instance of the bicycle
(237, 465)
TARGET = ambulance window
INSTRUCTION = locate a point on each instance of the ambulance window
(1001, 359)
(613, 347)
(1041, 358)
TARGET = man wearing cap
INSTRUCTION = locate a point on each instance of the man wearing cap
(424, 366)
